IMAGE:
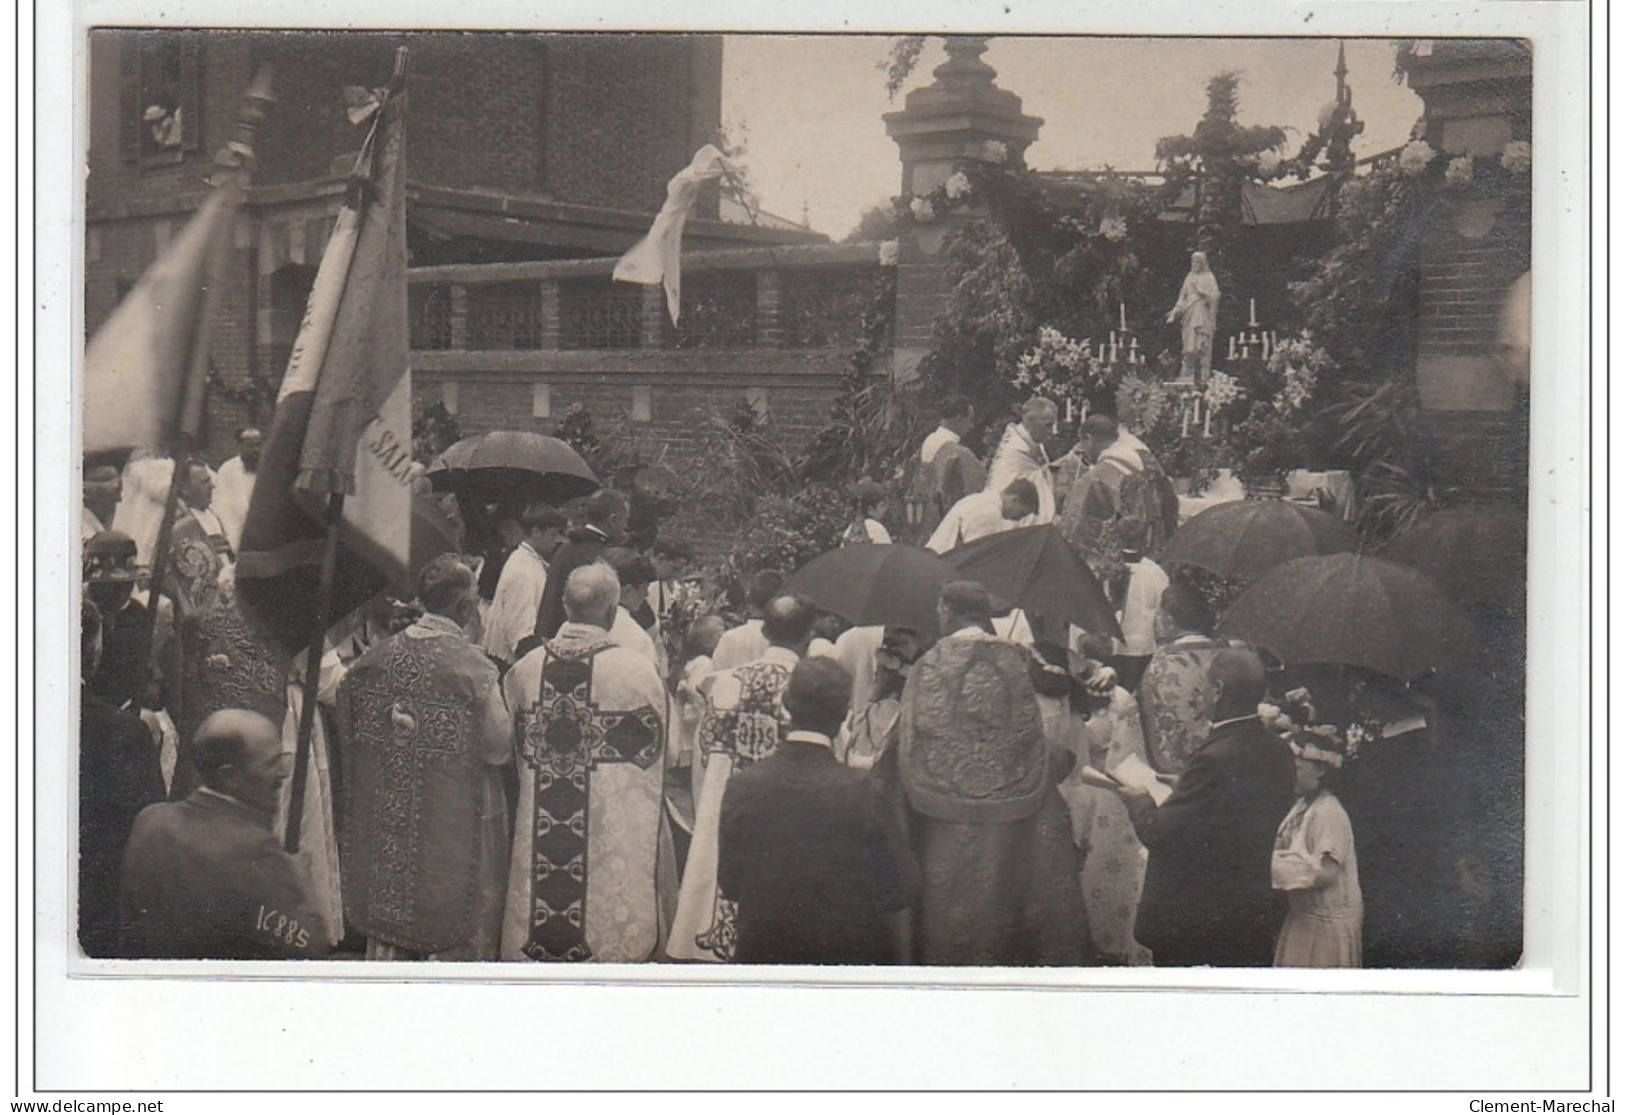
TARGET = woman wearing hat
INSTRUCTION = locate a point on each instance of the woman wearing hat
(1314, 861)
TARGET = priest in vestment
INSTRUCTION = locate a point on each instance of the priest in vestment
(1124, 482)
(743, 724)
(998, 872)
(1021, 455)
(423, 735)
(585, 879)
(223, 658)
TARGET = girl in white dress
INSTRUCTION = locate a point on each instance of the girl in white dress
(1315, 865)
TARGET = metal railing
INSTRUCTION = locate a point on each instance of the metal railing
(784, 297)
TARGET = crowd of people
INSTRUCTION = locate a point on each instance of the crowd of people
(576, 749)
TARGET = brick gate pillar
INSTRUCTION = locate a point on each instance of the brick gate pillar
(961, 116)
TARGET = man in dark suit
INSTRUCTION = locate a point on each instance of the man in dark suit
(603, 525)
(119, 776)
(804, 861)
(204, 878)
(1207, 897)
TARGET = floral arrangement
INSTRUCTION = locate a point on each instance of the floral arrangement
(956, 192)
(1312, 736)
(1061, 368)
(1271, 436)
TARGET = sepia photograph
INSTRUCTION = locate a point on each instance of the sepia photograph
(1049, 508)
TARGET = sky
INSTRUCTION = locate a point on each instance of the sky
(808, 108)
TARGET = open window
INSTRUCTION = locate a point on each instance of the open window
(161, 102)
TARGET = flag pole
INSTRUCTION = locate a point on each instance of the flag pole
(316, 650)
(238, 157)
(312, 680)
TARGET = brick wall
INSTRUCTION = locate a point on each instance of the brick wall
(226, 69)
(600, 120)
(684, 391)
(1470, 253)
(626, 112)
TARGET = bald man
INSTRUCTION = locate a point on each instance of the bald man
(204, 878)
(585, 880)
(1207, 897)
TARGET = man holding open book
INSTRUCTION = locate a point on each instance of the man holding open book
(1207, 897)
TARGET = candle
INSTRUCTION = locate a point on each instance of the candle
(1252, 312)
(1184, 423)
(1122, 317)
(1232, 348)
(1244, 353)
(1207, 423)
(1069, 412)
(1083, 410)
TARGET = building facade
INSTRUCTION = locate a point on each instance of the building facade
(521, 147)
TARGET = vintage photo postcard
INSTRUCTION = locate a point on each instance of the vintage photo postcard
(614, 515)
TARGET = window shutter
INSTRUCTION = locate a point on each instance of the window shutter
(129, 96)
(191, 91)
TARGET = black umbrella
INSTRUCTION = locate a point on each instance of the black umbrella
(1036, 568)
(512, 465)
(1241, 540)
(894, 586)
(1351, 610)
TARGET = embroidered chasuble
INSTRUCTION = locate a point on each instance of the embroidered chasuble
(226, 660)
(998, 870)
(589, 729)
(744, 723)
(424, 843)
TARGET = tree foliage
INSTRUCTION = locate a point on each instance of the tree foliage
(1216, 160)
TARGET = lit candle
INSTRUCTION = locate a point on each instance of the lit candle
(1069, 412)
(1083, 410)
(1252, 312)
(1122, 317)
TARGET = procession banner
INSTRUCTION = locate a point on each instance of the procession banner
(145, 367)
(343, 417)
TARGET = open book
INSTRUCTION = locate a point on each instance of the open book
(1131, 772)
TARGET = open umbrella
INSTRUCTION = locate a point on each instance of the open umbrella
(892, 585)
(1239, 541)
(1478, 554)
(1036, 568)
(512, 465)
(1351, 610)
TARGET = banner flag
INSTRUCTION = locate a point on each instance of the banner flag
(656, 258)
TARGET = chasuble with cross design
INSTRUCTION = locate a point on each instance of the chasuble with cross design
(589, 734)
